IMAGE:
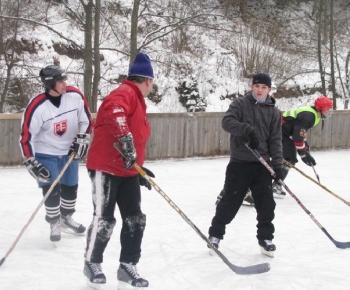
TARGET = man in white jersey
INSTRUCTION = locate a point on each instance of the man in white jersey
(55, 124)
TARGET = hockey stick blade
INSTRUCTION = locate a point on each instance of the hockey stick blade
(2, 261)
(340, 245)
(242, 270)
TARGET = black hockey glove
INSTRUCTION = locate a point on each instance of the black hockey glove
(307, 158)
(80, 145)
(143, 181)
(37, 170)
(126, 142)
(279, 174)
(253, 141)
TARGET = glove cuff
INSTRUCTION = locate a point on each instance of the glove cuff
(28, 161)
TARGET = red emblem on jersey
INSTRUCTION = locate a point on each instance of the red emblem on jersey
(303, 133)
(60, 128)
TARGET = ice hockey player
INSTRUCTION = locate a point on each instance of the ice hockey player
(295, 124)
(121, 119)
(55, 124)
(253, 119)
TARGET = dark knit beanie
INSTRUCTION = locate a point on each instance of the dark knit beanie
(141, 66)
(262, 78)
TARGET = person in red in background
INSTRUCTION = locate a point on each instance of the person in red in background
(55, 124)
(295, 124)
(121, 119)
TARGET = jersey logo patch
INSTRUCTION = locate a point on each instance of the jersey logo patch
(303, 133)
(60, 128)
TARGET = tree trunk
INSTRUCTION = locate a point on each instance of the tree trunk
(331, 47)
(88, 53)
(319, 46)
(97, 62)
(133, 34)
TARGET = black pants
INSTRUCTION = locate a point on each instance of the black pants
(107, 191)
(289, 150)
(240, 177)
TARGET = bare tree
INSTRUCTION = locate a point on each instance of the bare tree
(15, 90)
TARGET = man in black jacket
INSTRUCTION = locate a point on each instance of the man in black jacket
(253, 119)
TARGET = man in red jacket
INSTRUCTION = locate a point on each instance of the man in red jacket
(121, 119)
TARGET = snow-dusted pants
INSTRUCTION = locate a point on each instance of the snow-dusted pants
(107, 191)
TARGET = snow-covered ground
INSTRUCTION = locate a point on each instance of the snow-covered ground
(173, 255)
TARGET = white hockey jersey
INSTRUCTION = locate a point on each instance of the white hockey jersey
(48, 129)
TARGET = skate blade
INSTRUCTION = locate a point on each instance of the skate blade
(279, 196)
(270, 254)
(71, 232)
(95, 286)
(126, 286)
(248, 204)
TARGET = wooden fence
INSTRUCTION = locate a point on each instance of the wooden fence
(181, 135)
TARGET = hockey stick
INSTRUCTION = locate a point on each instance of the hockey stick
(253, 269)
(318, 178)
(37, 208)
(341, 245)
(313, 180)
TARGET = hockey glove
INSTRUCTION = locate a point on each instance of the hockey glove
(37, 170)
(279, 174)
(143, 181)
(307, 158)
(253, 141)
(80, 145)
(126, 142)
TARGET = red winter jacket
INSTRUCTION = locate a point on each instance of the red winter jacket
(121, 112)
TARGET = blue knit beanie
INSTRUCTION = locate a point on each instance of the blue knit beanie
(262, 78)
(141, 66)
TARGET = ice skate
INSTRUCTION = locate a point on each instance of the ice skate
(55, 233)
(278, 191)
(267, 248)
(248, 200)
(129, 278)
(70, 226)
(215, 243)
(95, 277)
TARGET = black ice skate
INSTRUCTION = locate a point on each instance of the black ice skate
(70, 226)
(278, 191)
(95, 277)
(215, 243)
(55, 234)
(267, 248)
(127, 273)
(248, 200)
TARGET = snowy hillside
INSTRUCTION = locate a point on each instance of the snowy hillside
(218, 47)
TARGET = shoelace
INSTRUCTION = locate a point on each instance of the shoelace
(268, 242)
(131, 269)
(96, 268)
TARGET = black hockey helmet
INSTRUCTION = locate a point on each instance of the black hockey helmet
(50, 75)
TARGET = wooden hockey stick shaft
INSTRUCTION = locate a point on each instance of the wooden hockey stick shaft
(313, 180)
(38, 207)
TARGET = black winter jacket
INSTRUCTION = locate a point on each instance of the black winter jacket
(243, 115)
